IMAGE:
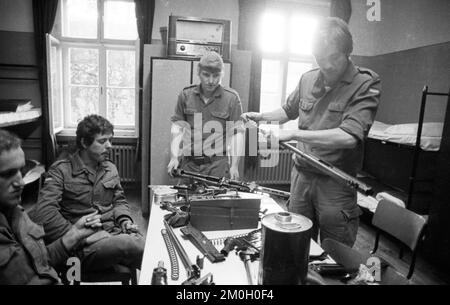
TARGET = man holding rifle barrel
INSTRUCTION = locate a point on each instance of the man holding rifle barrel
(335, 105)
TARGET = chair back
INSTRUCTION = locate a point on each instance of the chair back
(403, 224)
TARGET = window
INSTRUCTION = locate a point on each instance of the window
(285, 41)
(93, 64)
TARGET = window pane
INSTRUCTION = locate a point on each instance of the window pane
(120, 20)
(271, 32)
(56, 86)
(83, 101)
(83, 66)
(80, 18)
(295, 71)
(121, 68)
(271, 82)
(301, 29)
(121, 106)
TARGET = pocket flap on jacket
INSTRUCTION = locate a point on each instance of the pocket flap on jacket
(306, 105)
(218, 114)
(110, 184)
(189, 111)
(37, 232)
(336, 107)
(350, 214)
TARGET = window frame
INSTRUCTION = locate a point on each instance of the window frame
(102, 45)
(286, 56)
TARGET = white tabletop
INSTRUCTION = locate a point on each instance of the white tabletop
(228, 272)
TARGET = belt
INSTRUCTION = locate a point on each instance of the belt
(199, 160)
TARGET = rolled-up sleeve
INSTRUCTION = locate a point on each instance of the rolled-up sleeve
(292, 103)
(360, 112)
(235, 114)
(179, 109)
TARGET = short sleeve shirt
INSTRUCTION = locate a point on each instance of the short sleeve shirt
(350, 105)
(208, 126)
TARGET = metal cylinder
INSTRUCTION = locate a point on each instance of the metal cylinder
(286, 239)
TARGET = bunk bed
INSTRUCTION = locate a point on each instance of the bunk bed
(402, 159)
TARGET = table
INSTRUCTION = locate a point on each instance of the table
(229, 272)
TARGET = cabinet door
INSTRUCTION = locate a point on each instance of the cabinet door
(168, 78)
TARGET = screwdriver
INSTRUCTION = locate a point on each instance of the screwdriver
(159, 276)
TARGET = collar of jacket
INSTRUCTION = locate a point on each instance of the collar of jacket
(14, 213)
(217, 92)
(78, 167)
(347, 77)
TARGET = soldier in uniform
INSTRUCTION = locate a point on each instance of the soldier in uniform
(207, 122)
(87, 182)
(335, 105)
(24, 259)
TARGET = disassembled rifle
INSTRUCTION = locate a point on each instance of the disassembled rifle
(193, 271)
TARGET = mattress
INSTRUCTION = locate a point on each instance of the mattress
(407, 133)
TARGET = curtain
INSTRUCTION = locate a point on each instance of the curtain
(250, 12)
(341, 9)
(145, 12)
(44, 13)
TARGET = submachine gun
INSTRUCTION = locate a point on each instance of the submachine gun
(222, 182)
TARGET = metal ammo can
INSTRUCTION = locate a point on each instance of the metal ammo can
(286, 239)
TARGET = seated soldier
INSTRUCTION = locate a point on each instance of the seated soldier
(83, 183)
(24, 259)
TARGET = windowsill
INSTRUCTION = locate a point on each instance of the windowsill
(121, 136)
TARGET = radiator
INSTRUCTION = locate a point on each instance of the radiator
(123, 156)
(279, 174)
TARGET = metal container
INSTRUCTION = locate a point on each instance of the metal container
(161, 194)
(286, 239)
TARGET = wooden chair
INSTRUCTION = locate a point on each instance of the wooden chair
(403, 224)
(351, 259)
(117, 273)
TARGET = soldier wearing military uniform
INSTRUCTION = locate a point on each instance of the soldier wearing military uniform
(207, 121)
(335, 105)
(87, 182)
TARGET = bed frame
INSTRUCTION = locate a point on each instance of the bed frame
(408, 170)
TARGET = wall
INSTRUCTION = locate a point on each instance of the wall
(17, 41)
(409, 48)
(404, 24)
(218, 9)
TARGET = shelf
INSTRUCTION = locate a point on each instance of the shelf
(17, 118)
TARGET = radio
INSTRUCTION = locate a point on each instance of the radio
(192, 37)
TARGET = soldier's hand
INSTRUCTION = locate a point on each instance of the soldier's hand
(129, 227)
(234, 173)
(173, 164)
(84, 227)
(253, 116)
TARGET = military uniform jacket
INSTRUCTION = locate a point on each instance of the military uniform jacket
(209, 124)
(71, 191)
(24, 259)
(350, 105)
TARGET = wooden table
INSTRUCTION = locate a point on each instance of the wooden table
(229, 272)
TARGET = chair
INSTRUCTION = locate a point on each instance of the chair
(117, 273)
(350, 259)
(405, 225)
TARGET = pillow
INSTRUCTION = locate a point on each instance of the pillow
(432, 129)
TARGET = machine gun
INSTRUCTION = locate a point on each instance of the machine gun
(330, 170)
(247, 187)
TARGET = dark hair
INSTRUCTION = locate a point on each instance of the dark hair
(8, 141)
(333, 30)
(91, 126)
